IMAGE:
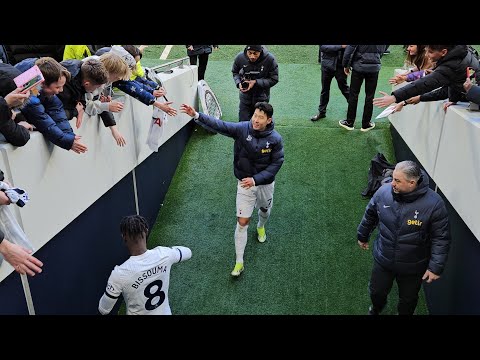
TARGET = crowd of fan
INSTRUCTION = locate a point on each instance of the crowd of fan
(79, 83)
(433, 72)
(78, 79)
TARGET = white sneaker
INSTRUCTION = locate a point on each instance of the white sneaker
(370, 127)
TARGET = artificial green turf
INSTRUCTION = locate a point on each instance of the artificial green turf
(310, 263)
(289, 54)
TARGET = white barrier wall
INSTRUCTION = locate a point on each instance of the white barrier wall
(421, 127)
(457, 172)
(62, 184)
(447, 144)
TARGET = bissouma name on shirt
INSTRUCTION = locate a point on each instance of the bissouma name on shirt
(156, 270)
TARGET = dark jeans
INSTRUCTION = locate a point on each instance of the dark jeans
(202, 66)
(355, 86)
(327, 76)
(381, 283)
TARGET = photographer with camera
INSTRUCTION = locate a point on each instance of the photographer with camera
(255, 71)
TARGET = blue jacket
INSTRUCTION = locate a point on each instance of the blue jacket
(257, 154)
(413, 230)
(473, 94)
(142, 91)
(46, 113)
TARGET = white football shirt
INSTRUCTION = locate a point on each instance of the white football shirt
(143, 281)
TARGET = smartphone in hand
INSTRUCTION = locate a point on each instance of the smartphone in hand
(28, 79)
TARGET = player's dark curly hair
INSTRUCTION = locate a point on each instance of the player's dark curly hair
(134, 226)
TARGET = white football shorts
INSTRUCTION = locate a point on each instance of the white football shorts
(260, 196)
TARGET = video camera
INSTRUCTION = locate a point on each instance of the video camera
(251, 75)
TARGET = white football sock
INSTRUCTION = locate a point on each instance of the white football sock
(240, 241)
(263, 217)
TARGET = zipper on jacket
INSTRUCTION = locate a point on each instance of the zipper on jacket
(399, 225)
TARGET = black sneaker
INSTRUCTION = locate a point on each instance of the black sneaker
(318, 116)
(346, 124)
(370, 126)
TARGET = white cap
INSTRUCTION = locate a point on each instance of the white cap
(125, 55)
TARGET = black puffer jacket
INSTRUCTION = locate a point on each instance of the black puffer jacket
(267, 67)
(413, 229)
(7, 74)
(332, 55)
(450, 71)
(363, 58)
(73, 91)
(3, 55)
(15, 134)
(199, 49)
(17, 53)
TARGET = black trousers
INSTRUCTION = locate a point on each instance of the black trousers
(381, 283)
(247, 105)
(245, 111)
(327, 76)
(202, 64)
(355, 86)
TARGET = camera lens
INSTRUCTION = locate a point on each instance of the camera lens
(244, 85)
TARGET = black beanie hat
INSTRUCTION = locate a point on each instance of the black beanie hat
(254, 47)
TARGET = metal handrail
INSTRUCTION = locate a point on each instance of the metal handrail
(170, 65)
